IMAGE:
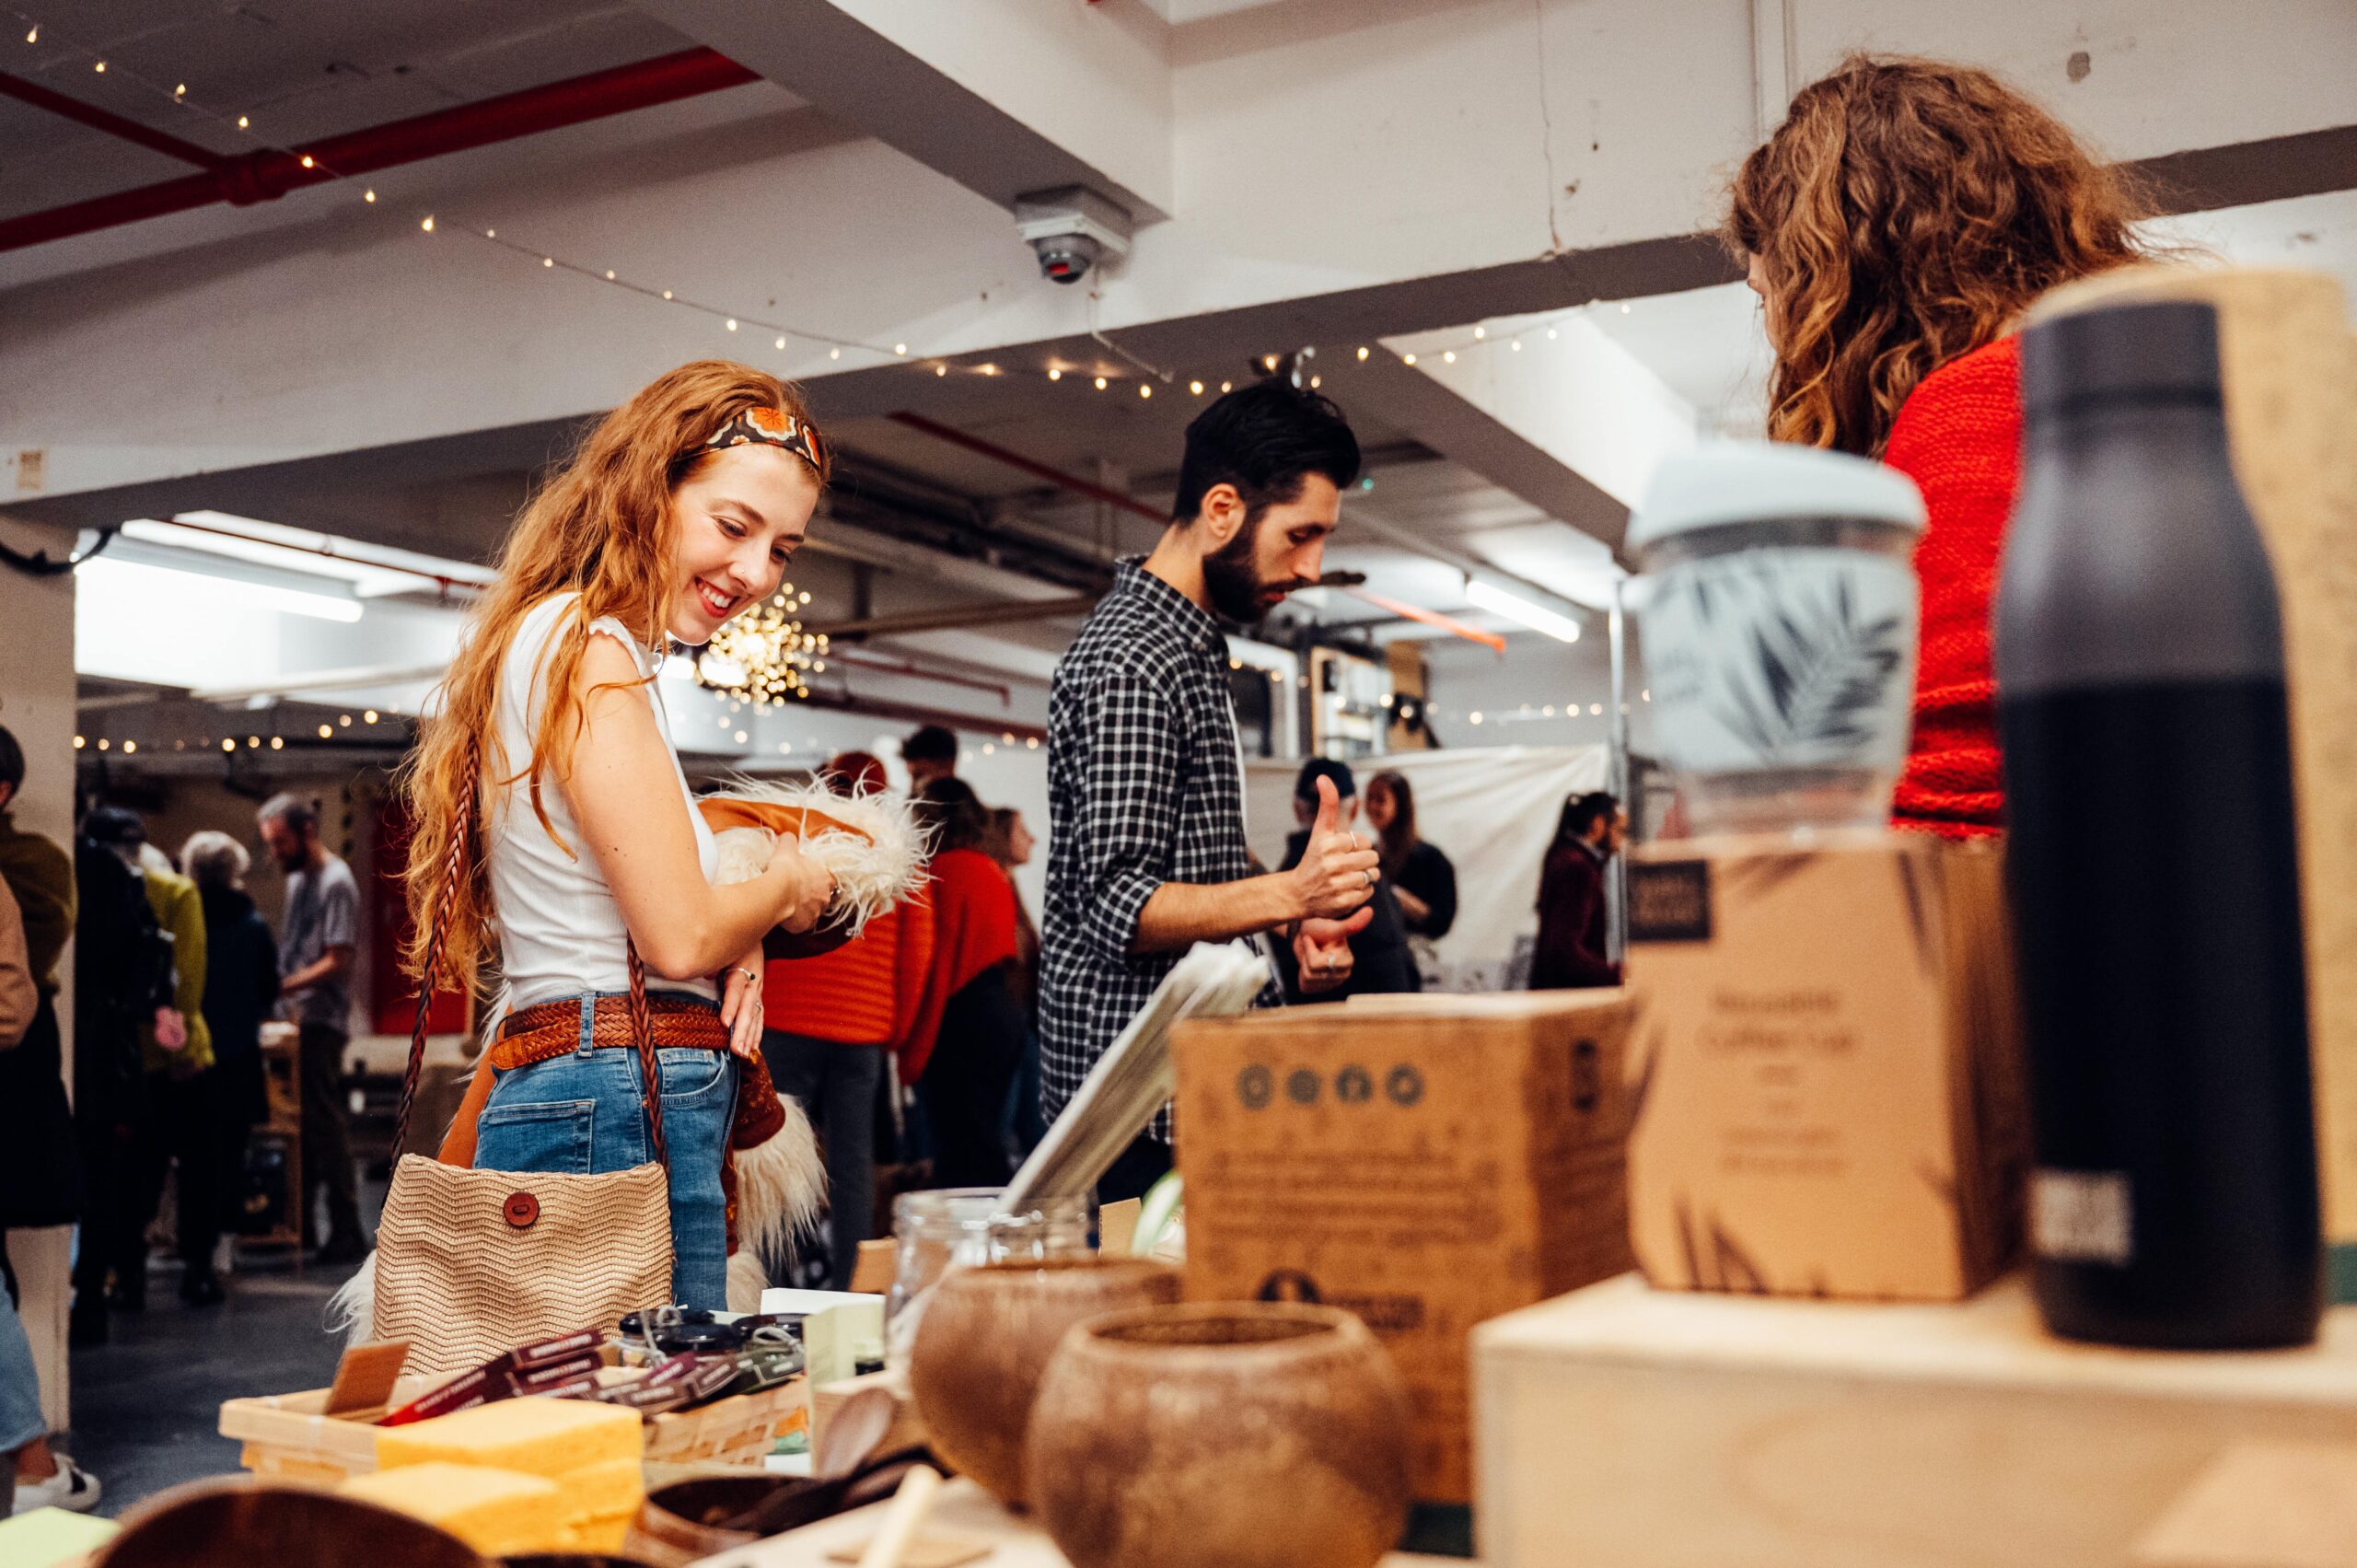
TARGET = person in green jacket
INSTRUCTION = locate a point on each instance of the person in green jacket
(180, 1123)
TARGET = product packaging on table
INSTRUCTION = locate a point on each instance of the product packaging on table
(1426, 1162)
(1826, 1066)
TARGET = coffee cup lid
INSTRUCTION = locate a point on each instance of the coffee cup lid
(1750, 481)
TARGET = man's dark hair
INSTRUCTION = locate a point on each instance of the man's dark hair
(934, 743)
(1304, 784)
(1582, 812)
(12, 760)
(292, 810)
(1264, 439)
(115, 827)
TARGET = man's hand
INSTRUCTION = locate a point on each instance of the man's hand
(1322, 949)
(1336, 872)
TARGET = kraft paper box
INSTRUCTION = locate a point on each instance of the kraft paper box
(1427, 1162)
(1826, 1066)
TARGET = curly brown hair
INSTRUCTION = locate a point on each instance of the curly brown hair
(1905, 213)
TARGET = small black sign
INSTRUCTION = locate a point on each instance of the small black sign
(1669, 900)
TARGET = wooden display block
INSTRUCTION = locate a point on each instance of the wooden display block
(1658, 1429)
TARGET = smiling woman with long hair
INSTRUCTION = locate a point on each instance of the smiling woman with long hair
(679, 509)
(1897, 226)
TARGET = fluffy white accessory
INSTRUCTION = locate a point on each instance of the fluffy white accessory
(878, 863)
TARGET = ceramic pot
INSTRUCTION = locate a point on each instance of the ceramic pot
(247, 1524)
(679, 1523)
(1261, 1435)
(984, 1342)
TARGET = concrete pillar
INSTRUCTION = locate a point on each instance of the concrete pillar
(37, 705)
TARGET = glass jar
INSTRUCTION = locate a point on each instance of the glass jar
(1776, 616)
(956, 1227)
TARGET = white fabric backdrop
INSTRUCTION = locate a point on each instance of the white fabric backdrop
(1493, 811)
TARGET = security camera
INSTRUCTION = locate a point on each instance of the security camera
(1071, 230)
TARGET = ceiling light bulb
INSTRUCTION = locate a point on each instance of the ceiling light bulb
(34, 35)
(548, 260)
(835, 354)
(1406, 359)
(732, 323)
(900, 348)
(1100, 383)
(1514, 606)
(1480, 333)
(278, 743)
(1624, 308)
(1362, 351)
(1516, 346)
(100, 67)
(781, 340)
(368, 195)
(370, 718)
(1145, 391)
(243, 122)
(179, 91)
(666, 294)
(325, 731)
(1551, 331)
(227, 744)
(1448, 356)
(1196, 387)
(309, 162)
(491, 234)
(1228, 386)
(610, 274)
(428, 224)
(78, 743)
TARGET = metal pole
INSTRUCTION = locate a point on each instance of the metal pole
(1617, 717)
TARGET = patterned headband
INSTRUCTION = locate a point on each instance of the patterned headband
(772, 427)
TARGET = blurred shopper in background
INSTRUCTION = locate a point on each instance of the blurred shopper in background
(316, 949)
(968, 1045)
(1897, 226)
(929, 753)
(179, 1121)
(1423, 880)
(41, 1168)
(1570, 952)
(240, 989)
(852, 1009)
(1011, 845)
(1381, 963)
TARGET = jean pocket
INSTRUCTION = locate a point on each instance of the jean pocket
(689, 1072)
(551, 1135)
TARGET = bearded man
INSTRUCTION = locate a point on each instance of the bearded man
(1146, 854)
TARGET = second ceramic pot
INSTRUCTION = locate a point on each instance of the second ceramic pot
(1260, 1435)
(984, 1343)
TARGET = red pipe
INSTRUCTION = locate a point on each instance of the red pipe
(113, 124)
(957, 437)
(266, 176)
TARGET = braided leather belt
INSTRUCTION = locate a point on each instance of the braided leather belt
(553, 1028)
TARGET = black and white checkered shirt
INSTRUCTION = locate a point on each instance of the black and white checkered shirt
(1143, 788)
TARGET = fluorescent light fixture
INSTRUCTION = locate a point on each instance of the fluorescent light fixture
(136, 582)
(1514, 606)
(374, 570)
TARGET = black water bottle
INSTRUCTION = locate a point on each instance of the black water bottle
(2152, 862)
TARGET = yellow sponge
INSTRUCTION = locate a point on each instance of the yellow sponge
(495, 1512)
(611, 1486)
(602, 1533)
(538, 1436)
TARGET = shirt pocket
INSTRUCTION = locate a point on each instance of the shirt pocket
(550, 1136)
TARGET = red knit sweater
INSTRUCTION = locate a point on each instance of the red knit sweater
(1958, 437)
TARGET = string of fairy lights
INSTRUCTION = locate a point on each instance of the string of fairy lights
(1131, 369)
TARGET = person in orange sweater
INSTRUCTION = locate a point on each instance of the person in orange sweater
(850, 1006)
(968, 1047)
(1897, 226)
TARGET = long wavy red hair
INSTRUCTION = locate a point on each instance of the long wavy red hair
(602, 526)
(1905, 213)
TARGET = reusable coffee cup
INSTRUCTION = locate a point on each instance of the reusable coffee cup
(1776, 610)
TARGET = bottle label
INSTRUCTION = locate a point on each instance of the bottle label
(2080, 1216)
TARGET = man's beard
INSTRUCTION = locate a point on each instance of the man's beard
(1232, 577)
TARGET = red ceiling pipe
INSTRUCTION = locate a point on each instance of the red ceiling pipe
(113, 124)
(263, 177)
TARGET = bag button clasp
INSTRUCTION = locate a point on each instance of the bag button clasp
(521, 1209)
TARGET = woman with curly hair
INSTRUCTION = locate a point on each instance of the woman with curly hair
(1897, 225)
(588, 871)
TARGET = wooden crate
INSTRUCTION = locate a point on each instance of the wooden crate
(1657, 1429)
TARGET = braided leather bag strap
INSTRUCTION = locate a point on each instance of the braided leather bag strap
(454, 865)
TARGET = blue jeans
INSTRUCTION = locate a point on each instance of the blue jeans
(582, 1114)
(20, 1417)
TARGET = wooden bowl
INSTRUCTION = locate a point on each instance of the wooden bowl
(1260, 1435)
(246, 1524)
(984, 1342)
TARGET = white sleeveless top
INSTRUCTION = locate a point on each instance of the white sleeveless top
(560, 930)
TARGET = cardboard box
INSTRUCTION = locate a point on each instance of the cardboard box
(1427, 1162)
(1639, 1428)
(1828, 1066)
